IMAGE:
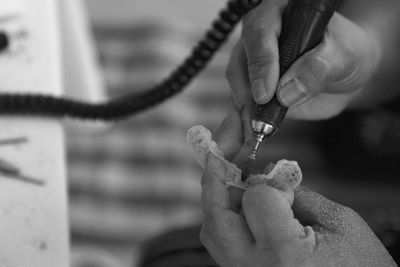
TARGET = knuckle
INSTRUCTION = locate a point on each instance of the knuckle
(253, 27)
(263, 16)
(348, 50)
(260, 45)
(316, 60)
(347, 58)
(316, 72)
(259, 62)
(317, 65)
(267, 58)
(350, 58)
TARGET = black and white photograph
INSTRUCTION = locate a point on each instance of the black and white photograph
(199, 133)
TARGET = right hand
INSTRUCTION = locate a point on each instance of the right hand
(320, 84)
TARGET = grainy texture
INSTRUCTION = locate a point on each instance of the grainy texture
(139, 178)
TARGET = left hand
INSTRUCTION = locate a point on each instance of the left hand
(276, 226)
(269, 231)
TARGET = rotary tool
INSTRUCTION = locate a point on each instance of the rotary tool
(303, 27)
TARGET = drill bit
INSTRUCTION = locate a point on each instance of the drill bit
(261, 130)
(260, 137)
(251, 159)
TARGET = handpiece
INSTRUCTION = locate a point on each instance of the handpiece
(303, 26)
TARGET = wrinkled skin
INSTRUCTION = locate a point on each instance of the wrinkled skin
(273, 224)
(320, 84)
(272, 230)
(270, 224)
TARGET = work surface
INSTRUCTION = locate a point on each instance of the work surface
(33, 201)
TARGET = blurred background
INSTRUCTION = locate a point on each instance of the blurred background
(137, 179)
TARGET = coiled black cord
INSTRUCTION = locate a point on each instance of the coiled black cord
(131, 104)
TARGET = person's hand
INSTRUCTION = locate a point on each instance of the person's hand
(313, 232)
(319, 85)
(269, 231)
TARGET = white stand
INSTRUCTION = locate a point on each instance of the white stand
(33, 217)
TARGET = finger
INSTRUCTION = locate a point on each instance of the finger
(330, 68)
(214, 250)
(261, 28)
(222, 227)
(248, 131)
(214, 192)
(322, 106)
(238, 78)
(269, 216)
(313, 209)
(223, 237)
(229, 135)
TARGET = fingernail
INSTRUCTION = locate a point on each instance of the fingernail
(293, 93)
(259, 91)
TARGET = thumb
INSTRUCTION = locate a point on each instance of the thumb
(270, 218)
(331, 67)
(307, 77)
(313, 209)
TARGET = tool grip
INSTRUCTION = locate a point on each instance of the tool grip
(303, 26)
